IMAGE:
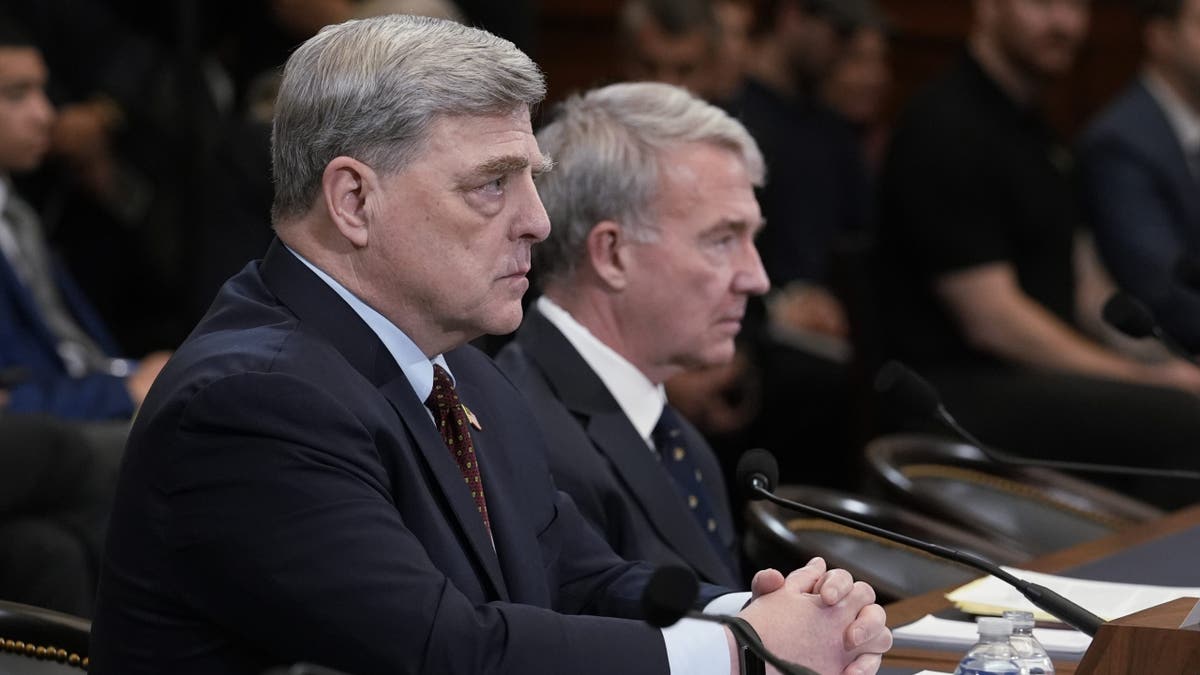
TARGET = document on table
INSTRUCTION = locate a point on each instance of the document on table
(932, 632)
(1108, 600)
(933, 672)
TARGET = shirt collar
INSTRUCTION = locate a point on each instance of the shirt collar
(1183, 119)
(417, 368)
(640, 399)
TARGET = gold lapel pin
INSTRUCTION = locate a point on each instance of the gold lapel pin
(471, 418)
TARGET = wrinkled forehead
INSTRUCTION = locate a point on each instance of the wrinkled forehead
(488, 142)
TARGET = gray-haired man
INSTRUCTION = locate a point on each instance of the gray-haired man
(646, 275)
(324, 472)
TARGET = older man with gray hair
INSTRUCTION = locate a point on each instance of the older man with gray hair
(646, 274)
(325, 472)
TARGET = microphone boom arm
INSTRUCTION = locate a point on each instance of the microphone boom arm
(1071, 613)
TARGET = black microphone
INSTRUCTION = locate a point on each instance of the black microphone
(670, 595)
(917, 397)
(757, 472)
(1133, 318)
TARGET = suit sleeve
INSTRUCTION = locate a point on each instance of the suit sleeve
(1139, 238)
(282, 528)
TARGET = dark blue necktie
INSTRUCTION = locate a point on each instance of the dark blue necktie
(690, 482)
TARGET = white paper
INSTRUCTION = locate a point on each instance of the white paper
(1108, 600)
(962, 634)
(933, 672)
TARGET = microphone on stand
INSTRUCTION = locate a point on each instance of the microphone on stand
(757, 473)
(1133, 318)
(670, 595)
(916, 396)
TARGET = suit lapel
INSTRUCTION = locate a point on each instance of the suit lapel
(1164, 150)
(512, 535)
(323, 312)
(447, 476)
(585, 395)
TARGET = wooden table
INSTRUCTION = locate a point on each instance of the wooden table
(907, 611)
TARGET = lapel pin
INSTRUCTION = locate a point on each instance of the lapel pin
(471, 418)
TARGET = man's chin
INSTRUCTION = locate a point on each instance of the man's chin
(505, 323)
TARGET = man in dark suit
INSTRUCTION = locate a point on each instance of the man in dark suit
(325, 472)
(646, 274)
(1140, 164)
(55, 353)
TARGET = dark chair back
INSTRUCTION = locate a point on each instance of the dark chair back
(784, 540)
(36, 641)
(1037, 510)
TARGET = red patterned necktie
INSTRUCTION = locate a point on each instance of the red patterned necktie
(452, 423)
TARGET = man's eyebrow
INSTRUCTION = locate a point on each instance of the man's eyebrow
(505, 164)
(738, 225)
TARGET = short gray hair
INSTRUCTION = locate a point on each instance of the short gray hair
(607, 145)
(370, 88)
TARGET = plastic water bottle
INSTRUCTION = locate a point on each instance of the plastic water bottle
(993, 654)
(1030, 653)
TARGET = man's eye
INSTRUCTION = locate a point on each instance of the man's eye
(495, 187)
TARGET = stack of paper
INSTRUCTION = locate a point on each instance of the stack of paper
(1108, 600)
(935, 633)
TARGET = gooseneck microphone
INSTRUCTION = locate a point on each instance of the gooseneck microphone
(670, 595)
(757, 473)
(914, 395)
(1133, 318)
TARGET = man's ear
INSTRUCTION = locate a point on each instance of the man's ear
(608, 254)
(345, 185)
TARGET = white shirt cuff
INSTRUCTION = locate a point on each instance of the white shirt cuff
(699, 647)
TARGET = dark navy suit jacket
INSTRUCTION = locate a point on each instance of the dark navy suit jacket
(27, 343)
(598, 458)
(1144, 204)
(285, 497)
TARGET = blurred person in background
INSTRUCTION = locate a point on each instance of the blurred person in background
(858, 84)
(1140, 162)
(735, 18)
(980, 283)
(676, 42)
(54, 346)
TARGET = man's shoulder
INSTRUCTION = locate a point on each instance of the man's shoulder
(1128, 116)
(250, 338)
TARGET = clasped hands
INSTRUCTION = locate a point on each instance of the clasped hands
(819, 618)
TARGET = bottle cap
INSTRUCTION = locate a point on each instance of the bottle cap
(1019, 619)
(994, 626)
